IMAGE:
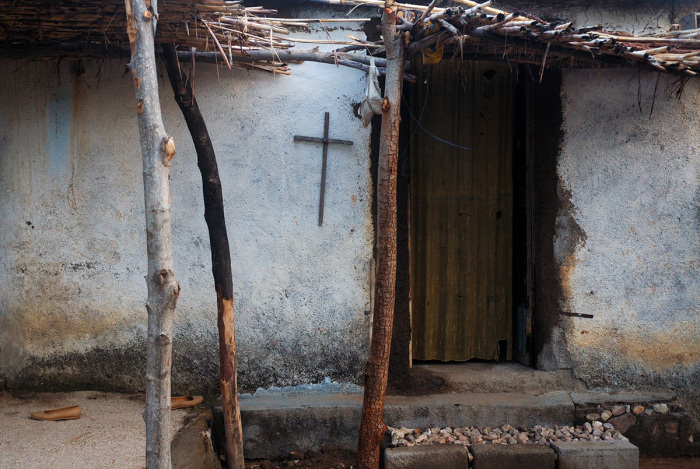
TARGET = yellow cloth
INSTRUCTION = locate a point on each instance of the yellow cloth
(432, 54)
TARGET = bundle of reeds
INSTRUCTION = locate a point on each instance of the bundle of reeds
(71, 27)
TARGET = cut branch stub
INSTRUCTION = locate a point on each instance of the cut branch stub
(168, 150)
(385, 104)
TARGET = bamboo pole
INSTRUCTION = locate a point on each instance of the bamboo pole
(157, 150)
(487, 8)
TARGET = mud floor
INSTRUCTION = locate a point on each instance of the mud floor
(109, 434)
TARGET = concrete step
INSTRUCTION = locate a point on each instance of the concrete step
(498, 377)
(275, 425)
(513, 457)
(562, 455)
(479, 409)
(427, 457)
(596, 454)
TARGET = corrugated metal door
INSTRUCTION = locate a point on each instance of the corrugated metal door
(461, 211)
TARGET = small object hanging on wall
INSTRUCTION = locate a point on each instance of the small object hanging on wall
(325, 140)
(372, 104)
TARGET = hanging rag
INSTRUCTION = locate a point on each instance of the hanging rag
(432, 54)
(372, 104)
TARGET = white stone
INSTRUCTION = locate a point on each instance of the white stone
(660, 408)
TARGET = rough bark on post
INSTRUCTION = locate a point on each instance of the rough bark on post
(372, 426)
(157, 150)
(220, 255)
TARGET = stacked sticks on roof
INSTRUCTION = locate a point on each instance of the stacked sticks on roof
(677, 52)
(221, 26)
(234, 32)
(237, 32)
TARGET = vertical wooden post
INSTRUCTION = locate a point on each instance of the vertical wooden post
(220, 255)
(157, 150)
(372, 426)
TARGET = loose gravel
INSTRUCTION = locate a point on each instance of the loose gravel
(504, 435)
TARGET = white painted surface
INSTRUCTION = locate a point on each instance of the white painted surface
(635, 188)
(72, 281)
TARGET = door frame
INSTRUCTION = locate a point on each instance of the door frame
(526, 356)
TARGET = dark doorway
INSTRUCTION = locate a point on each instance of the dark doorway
(468, 213)
(523, 297)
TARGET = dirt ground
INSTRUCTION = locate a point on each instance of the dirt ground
(109, 434)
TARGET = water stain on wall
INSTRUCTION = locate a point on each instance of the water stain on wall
(658, 349)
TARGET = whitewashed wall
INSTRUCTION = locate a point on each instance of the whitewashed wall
(634, 187)
(72, 244)
(72, 252)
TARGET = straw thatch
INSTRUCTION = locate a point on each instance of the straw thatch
(231, 34)
(50, 28)
(103, 22)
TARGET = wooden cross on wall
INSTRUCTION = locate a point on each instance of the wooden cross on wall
(325, 140)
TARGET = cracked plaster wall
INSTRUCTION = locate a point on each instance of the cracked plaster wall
(626, 238)
(634, 16)
(628, 241)
(72, 245)
(626, 244)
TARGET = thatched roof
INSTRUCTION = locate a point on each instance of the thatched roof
(99, 22)
(521, 37)
(252, 37)
(65, 28)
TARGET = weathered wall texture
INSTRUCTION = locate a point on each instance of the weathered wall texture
(72, 241)
(634, 16)
(619, 206)
(628, 242)
(617, 213)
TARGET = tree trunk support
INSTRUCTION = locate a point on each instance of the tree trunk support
(372, 426)
(157, 150)
(220, 255)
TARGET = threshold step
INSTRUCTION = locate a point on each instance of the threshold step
(275, 425)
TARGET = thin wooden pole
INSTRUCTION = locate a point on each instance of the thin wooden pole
(157, 150)
(372, 426)
(220, 255)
